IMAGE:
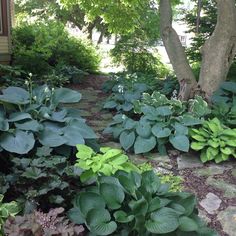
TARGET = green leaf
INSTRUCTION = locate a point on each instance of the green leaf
(75, 216)
(139, 207)
(72, 136)
(122, 217)
(189, 120)
(87, 201)
(31, 125)
(33, 173)
(189, 204)
(18, 116)
(163, 221)
(86, 175)
(199, 138)
(164, 111)
(197, 146)
(4, 125)
(127, 139)
(112, 194)
(50, 139)
(110, 105)
(187, 224)
(150, 182)
(143, 145)
(160, 132)
(20, 142)
(143, 129)
(180, 142)
(154, 204)
(97, 221)
(65, 95)
(180, 129)
(203, 156)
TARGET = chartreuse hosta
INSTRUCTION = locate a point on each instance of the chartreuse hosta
(106, 162)
(215, 141)
(136, 205)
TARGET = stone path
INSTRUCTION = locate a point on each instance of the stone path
(214, 185)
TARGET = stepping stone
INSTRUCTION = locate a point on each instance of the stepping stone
(210, 171)
(233, 172)
(188, 161)
(107, 116)
(137, 159)
(85, 113)
(227, 219)
(203, 216)
(112, 145)
(157, 157)
(211, 203)
(228, 189)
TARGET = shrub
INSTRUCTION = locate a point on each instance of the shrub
(215, 141)
(40, 47)
(34, 117)
(136, 204)
(39, 223)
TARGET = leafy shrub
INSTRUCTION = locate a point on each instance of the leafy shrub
(7, 210)
(30, 118)
(39, 223)
(136, 204)
(107, 162)
(162, 121)
(224, 104)
(39, 47)
(45, 179)
(137, 58)
(215, 141)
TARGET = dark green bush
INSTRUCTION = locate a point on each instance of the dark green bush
(40, 47)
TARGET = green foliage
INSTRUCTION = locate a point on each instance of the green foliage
(39, 47)
(44, 179)
(39, 223)
(34, 117)
(175, 182)
(215, 141)
(224, 103)
(136, 204)
(7, 210)
(163, 121)
(107, 162)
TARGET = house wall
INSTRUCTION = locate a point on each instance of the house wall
(5, 39)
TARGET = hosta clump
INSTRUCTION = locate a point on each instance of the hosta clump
(215, 141)
(35, 117)
(122, 98)
(224, 104)
(39, 223)
(106, 162)
(136, 204)
(44, 180)
(7, 210)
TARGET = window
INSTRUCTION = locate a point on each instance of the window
(183, 40)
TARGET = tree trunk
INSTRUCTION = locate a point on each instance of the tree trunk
(176, 52)
(199, 8)
(219, 50)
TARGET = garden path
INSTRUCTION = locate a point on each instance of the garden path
(214, 185)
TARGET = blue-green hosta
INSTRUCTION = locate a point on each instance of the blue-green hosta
(215, 141)
(35, 117)
(136, 204)
(106, 162)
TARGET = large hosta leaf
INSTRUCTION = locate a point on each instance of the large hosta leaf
(98, 221)
(143, 145)
(65, 95)
(127, 139)
(31, 125)
(19, 142)
(51, 139)
(14, 95)
(163, 221)
(180, 142)
(4, 125)
(72, 136)
(18, 116)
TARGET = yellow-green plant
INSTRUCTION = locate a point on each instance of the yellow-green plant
(6, 210)
(107, 162)
(216, 141)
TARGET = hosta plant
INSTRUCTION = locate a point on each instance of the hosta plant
(106, 162)
(35, 117)
(136, 204)
(215, 141)
(156, 128)
(7, 210)
(39, 223)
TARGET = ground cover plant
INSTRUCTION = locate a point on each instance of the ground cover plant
(35, 117)
(136, 204)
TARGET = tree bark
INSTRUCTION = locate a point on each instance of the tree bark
(176, 52)
(219, 50)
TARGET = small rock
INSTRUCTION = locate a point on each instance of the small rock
(157, 157)
(210, 171)
(211, 203)
(162, 170)
(228, 189)
(233, 172)
(186, 161)
(203, 216)
(227, 219)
